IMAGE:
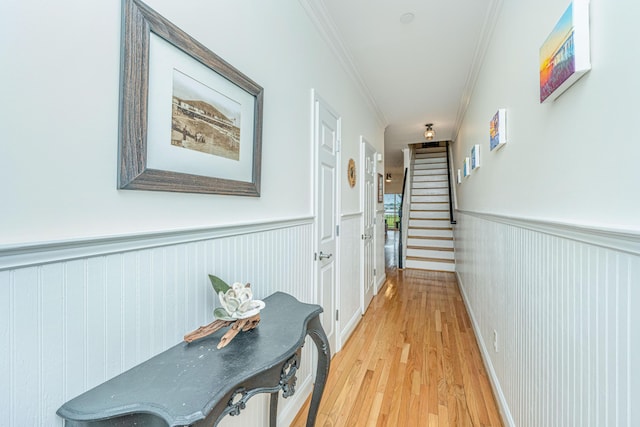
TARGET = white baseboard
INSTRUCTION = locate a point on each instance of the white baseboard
(350, 327)
(379, 283)
(503, 406)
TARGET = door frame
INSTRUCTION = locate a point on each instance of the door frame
(363, 144)
(315, 98)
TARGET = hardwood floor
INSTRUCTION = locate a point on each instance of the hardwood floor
(412, 361)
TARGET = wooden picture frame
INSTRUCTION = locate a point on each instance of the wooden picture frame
(150, 156)
(380, 188)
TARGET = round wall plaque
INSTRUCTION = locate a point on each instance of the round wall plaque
(351, 173)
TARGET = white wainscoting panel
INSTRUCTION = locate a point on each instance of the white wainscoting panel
(565, 309)
(350, 277)
(67, 326)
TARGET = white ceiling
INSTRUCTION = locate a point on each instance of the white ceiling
(413, 74)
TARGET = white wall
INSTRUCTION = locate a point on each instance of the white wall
(58, 165)
(534, 253)
(60, 116)
(576, 159)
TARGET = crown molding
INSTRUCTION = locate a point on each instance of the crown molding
(320, 17)
(486, 33)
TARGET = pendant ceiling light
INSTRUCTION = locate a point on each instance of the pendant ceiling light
(429, 134)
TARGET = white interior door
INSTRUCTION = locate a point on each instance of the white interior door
(369, 221)
(327, 140)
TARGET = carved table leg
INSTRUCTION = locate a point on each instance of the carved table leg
(324, 360)
(273, 410)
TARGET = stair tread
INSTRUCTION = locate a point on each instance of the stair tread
(430, 228)
(430, 248)
(444, 260)
(430, 237)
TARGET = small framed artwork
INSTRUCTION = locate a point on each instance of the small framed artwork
(564, 55)
(498, 129)
(465, 168)
(459, 177)
(189, 121)
(475, 156)
(380, 188)
(351, 173)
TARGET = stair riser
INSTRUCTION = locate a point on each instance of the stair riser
(430, 192)
(428, 215)
(424, 199)
(438, 223)
(421, 157)
(427, 166)
(431, 150)
(430, 243)
(429, 178)
(430, 184)
(424, 253)
(421, 172)
(430, 206)
(430, 160)
(424, 265)
(430, 233)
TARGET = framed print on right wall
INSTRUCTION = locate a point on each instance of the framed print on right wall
(498, 129)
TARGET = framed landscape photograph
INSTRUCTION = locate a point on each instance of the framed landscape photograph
(466, 170)
(564, 55)
(189, 121)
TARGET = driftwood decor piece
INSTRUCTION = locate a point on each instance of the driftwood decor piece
(243, 325)
(239, 310)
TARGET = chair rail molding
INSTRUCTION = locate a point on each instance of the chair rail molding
(621, 240)
(31, 254)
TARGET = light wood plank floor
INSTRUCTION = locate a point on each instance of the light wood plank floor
(412, 361)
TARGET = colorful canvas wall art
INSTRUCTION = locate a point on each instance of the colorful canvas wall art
(466, 169)
(564, 56)
(498, 129)
(475, 156)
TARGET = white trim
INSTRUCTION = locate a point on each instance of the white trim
(488, 26)
(31, 254)
(320, 17)
(617, 239)
(380, 283)
(503, 406)
(351, 215)
(349, 327)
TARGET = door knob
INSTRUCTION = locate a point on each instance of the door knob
(324, 256)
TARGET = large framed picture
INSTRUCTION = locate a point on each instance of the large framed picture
(189, 121)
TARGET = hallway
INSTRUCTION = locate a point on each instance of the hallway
(412, 361)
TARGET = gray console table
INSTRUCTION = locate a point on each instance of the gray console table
(197, 385)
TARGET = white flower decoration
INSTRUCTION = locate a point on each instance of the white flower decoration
(238, 302)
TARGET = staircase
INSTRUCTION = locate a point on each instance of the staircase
(430, 236)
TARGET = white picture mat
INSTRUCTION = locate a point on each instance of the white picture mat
(161, 155)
